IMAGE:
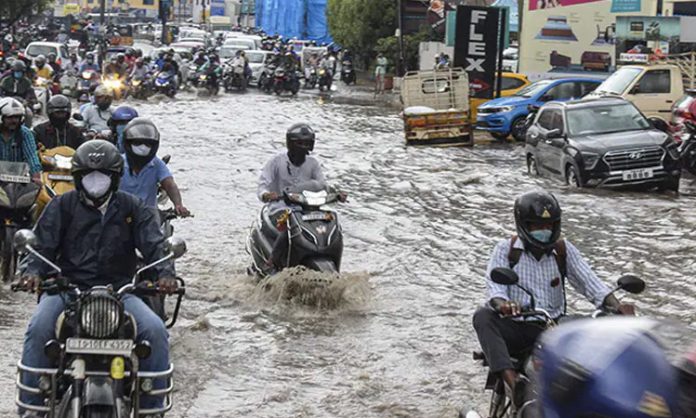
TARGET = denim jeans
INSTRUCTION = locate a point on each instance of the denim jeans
(42, 329)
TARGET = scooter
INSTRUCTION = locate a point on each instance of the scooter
(311, 81)
(56, 177)
(325, 79)
(42, 90)
(687, 149)
(164, 84)
(347, 73)
(68, 85)
(95, 354)
(233, 76)
(501, 405)
(88, 80)
(15, 210)
(285, 81)
(315, 237)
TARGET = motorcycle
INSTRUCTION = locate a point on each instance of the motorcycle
(521, 125)
(501, 405)
(164, 84)
(233, 76)
(68, 85)
(314, 234)
(116, 84)
(42, 90)
(89, 79)
(284, 81)
(95, 352)
(311, 81)
(687, 149)
(347, 73)
(56, 177)
(140, 88)
(15, 210)
(266, 79)
(210, 82)
(325, 79)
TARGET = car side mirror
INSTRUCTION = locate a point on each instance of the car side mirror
(635, 90)
(631, 284)
(504, 276)
(554, 133)
(78, 117)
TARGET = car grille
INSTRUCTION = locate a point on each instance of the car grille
(634, 158)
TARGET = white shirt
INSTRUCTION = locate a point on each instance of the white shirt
(279, 173)
(543, 279)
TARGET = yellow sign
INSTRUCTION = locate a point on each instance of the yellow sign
(71, 9)
(654, 405)
(546, 214)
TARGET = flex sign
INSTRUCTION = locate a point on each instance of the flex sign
(476, 47)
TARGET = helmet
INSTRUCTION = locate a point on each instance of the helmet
(56, 105)
(138, 52)
(52, 57)
(578, 376)
(122, 115)
(120, 57)
(40, 61)
(89, 56)
(130, 52)
(97, 155)
(102, 90)
(19, 65)
(300, 136)
(11, 107)
(141, 141)
(535, 208)
(103, 97)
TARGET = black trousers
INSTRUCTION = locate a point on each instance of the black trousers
(501, 338)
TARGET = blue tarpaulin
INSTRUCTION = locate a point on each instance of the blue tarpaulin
(302, 19)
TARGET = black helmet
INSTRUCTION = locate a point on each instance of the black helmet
(300, 136)
(56, 105)
(97, 155)
(538, 207)
(19, 65)
(141, 141)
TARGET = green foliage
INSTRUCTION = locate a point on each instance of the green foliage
(360, 24)
(389, 46)
(13, 10)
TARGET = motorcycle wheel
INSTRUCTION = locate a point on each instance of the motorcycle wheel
(99, 411)
(295, 88)
(278, 89)
(500, 406)
(9, 258)
(519, 129)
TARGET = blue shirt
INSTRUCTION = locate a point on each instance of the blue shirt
(145, 183)
(20, 148)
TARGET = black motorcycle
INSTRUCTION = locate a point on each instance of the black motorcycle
(312, 80)
(233, 76)
(95, 352)
(687, 149)
(347, 73)
(501, 405)
(521, 125)
(314, 233)
(284, 80)
(266, 78)
(19, 197)
(325, 79)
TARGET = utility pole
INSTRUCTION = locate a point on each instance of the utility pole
(400, 66)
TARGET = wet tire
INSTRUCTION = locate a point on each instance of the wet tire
(500, 136)
(518, 129)
(572, 177)
(532, 167)
(8, 261)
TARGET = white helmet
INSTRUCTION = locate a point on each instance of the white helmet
(11, 107)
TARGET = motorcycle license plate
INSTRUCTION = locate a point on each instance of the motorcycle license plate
(642, 174)
(8, 178)
(91, 346)
(60, 177)
(314, 217)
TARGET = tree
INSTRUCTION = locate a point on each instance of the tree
(13, 10)
(360, 24)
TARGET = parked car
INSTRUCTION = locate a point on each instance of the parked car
(500, 117)
(240, 43)
(257, 63)
(512, 83)
(35, 49)
(601, 142)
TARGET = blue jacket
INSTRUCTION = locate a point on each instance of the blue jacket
(93, 250)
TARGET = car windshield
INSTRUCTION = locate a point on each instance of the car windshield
(36, 50)
(255, 57)
(533, 89)
(617, 82)
(229, 52)
(605, 119)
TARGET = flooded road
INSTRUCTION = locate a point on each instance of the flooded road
(419, 226)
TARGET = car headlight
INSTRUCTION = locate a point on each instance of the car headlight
(100, 315)
(505, 109)
(590, 160)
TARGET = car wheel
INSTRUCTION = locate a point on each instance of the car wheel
(500, 135)
(518, 130)
(572, 177)
(532, 167)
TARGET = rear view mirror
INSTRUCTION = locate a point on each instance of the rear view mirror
(22, 239)
(554, 133)
(78, 117)
(631, 284)
(504, 276)
(176, 246)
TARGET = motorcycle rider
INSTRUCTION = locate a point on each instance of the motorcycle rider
(52, 59)
(17, 143)
(119, 119)
(41, 69)
(200, 60)
(58, 130)
(89, 64)
(312, 62)
(17, 84)
(114, 68)
(92, 233)
(140, 70)
(543, 260)
(72, 65)
(143, 170)
(96, 115)
(288, 169)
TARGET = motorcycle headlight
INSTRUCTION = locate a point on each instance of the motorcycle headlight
(100, 315)
(87, 75)
(590, 160)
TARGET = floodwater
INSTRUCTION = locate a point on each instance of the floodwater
(393, 337)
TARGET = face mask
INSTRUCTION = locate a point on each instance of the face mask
(18, 74)
(141, 150)
(104, 105)
(90, 62)
(542, 235)
(96, 184)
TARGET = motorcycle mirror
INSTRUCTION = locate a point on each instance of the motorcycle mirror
(631, 284)
(175, 246)
(23, 239)
(504, 276)
(78, 117)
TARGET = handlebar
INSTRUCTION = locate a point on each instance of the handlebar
(58, 285)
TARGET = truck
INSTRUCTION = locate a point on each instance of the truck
(653, 85)
(436, 108)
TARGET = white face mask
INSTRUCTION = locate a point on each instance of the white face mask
(141, 150)
(96, 184)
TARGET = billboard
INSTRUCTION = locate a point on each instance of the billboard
(476, 47)
(573, 36)
(648, 38)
